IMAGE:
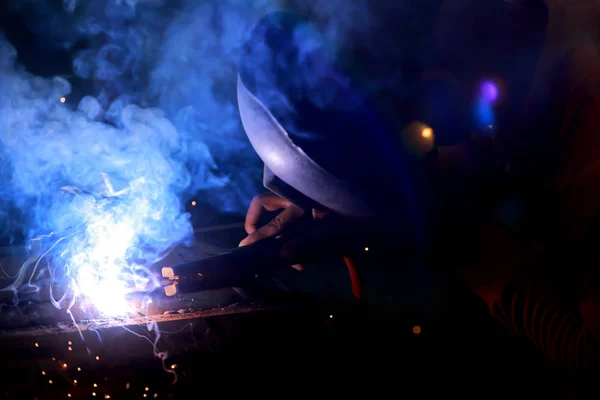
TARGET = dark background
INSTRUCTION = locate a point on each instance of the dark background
(361, 350)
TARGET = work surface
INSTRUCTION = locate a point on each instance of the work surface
(47, 353)
(225, 340)
(37, 315)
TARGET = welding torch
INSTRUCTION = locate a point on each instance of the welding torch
(229, 269)
(239, 266)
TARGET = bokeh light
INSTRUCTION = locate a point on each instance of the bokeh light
(418, 138)
(489, 91)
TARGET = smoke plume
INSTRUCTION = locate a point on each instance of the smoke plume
(98, 160)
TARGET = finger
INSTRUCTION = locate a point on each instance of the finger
(275, 226)
(266, 201)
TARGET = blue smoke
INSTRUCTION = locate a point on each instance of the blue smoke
(100, 181)
(112, 192)
(98, 163)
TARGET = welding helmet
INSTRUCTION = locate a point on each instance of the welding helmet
(322, 139)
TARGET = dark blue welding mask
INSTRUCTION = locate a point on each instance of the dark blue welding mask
(322, 140)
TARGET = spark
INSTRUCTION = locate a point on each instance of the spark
(155, 395)
(127, 386)
(97, 357)
(194, 203)
(36, 344)
(50, 381)
(416, 329)
(427, 133)
(145, 395)
(75, 382)
(63, 99)
(68, 394)
(147, 388)
(95, 385)
(70, 348)
(70, 343)
(366, 249)
(79, 369)
(173, 366)
(43, 372)
(93, 393)
(64, 365)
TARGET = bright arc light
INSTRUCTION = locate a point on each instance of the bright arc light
(101, 263)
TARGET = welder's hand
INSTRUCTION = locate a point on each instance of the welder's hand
(282, 223)
(269, 202)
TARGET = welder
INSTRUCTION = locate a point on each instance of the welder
(466, 132)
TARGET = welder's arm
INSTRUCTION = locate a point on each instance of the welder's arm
(551, 294)
(540, 294)
(552, 301)
(559, 313)
(545, 295)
